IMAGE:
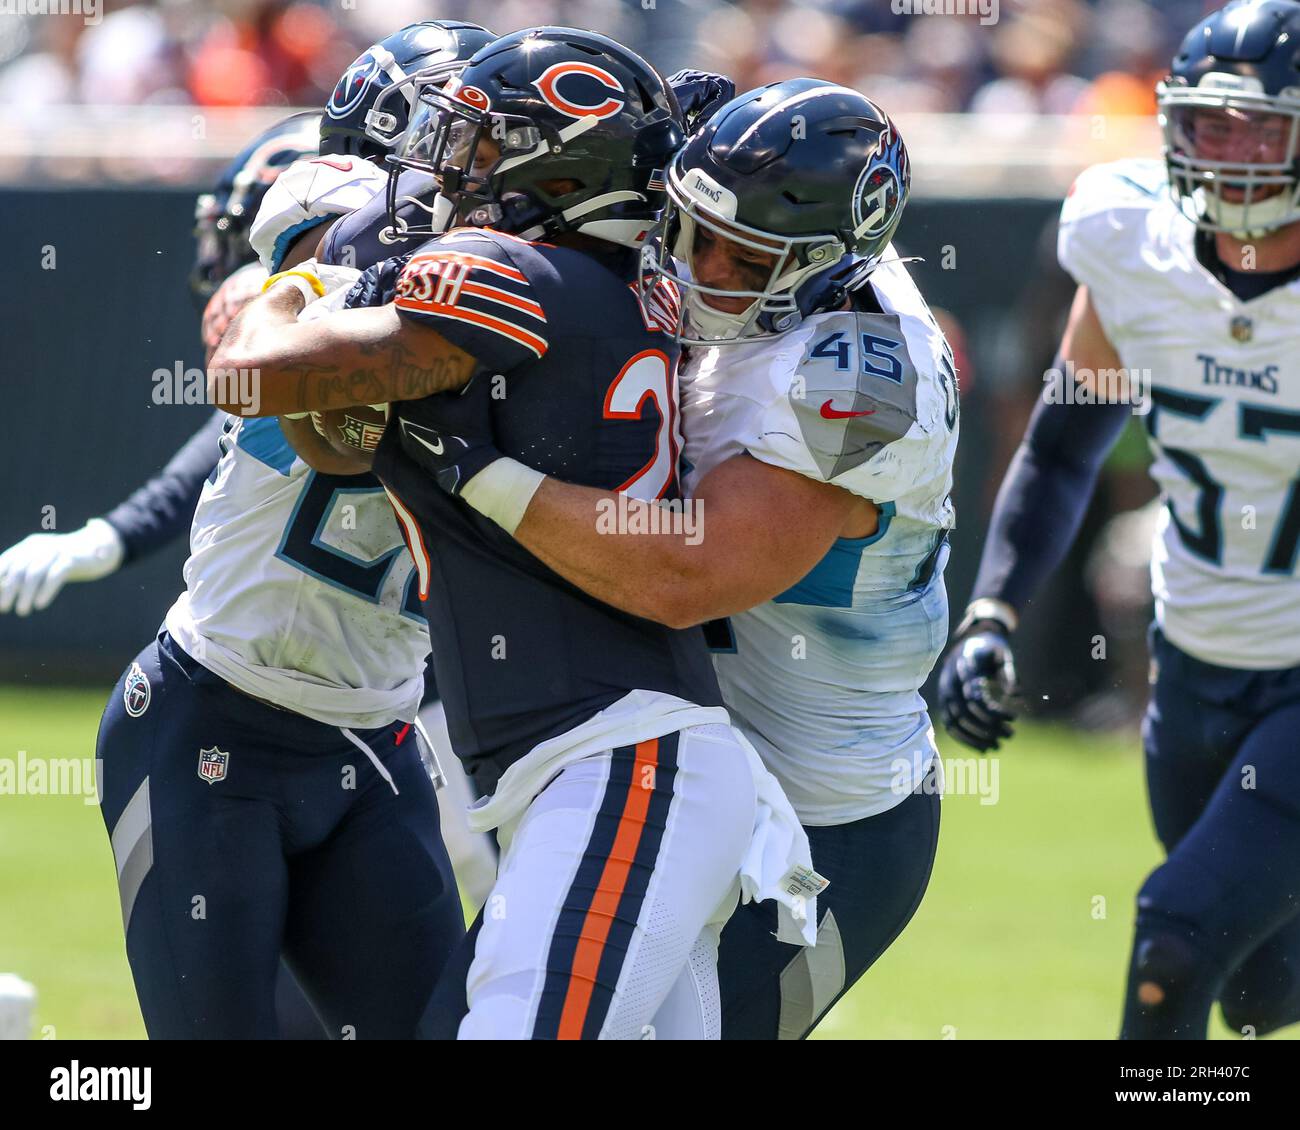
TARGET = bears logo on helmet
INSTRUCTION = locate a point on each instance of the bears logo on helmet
(547, 84)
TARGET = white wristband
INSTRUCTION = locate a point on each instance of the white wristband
(502, 492)
(989, 608)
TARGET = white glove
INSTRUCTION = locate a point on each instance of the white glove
(33, 571)
(311, 189)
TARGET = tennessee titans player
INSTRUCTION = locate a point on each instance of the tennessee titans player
(1188, 271)
(291, 651)
(820, 419)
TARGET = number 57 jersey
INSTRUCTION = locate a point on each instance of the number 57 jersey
(1223, 419)
(299, 589)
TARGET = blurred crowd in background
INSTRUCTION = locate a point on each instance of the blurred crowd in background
(1039, 56)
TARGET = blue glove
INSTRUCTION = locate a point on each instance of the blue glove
(700, 94)
(977, 685)
(450, 435)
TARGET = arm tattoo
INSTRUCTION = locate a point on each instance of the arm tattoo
(413, 379)
(396, 373)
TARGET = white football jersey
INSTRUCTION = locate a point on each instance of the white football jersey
(299, 589)
(825, 679)
(1224, 423)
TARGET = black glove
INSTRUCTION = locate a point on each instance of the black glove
(700, 93)
(977, 686)
(450, 435)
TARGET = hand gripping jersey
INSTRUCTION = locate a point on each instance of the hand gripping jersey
(520, 655)
(1224, 419)
(825, 678)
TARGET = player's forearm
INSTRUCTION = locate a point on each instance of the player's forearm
(1044, 497)
(271, 364)
(577, 532)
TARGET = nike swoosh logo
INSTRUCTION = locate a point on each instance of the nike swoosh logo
(436, 448)
(829, 413)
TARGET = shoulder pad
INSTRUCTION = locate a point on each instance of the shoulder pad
(1131, 184)
(306, 193)
(855, 389)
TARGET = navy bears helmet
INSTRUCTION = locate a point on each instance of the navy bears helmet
(813, 172)
(369, 108)
(1230, 111)
(222, 217)
(547, 130)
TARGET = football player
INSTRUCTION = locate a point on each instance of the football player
(294, 649)
(627, 807)
(1188, 279)
(820, 418)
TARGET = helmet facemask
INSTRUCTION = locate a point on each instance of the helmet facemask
(387, 119)
(474, 154)
(773, 309)
(1233, 156)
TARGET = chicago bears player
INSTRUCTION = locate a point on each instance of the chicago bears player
(1190, 273)
(628, 809)
(820, 418)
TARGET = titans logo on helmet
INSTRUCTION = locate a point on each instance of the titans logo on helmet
(351, 88)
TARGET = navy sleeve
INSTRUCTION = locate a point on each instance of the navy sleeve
(1045, 495)
(465, 286)
(162, 509)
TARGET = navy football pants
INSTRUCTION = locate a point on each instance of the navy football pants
(878, 869)
(1220, 918)
(301, 848)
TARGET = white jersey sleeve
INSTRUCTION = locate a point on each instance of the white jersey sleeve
(870, 405)
(306, 193)
(1102, 220)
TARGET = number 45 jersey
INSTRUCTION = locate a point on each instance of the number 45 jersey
(299, 589)
(825, 678)
(1224, 419)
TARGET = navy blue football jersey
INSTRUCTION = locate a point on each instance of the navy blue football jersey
(589, 382)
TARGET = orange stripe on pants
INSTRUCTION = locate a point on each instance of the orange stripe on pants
(609, 892)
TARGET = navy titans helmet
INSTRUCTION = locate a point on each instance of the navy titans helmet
(223, 217)
(1230, 111)
(811, 173)
(371, 104)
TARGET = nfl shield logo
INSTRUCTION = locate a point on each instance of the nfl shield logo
(136, 691)
(1243, 329)
(212, 765)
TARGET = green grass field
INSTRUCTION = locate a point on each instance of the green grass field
(1024, 931)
